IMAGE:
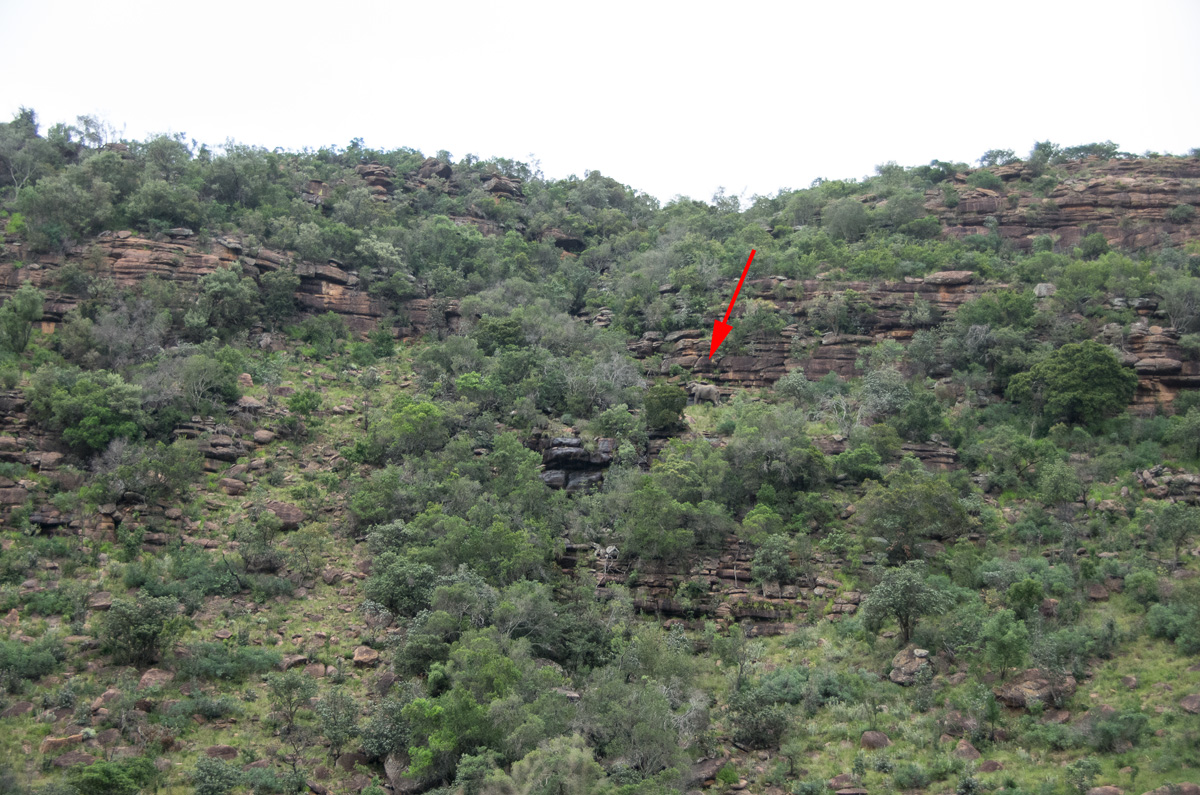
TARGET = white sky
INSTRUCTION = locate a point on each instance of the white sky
(669, 98)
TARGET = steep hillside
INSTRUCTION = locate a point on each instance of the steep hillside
(360, 471)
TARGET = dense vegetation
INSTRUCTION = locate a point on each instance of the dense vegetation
(509, 670)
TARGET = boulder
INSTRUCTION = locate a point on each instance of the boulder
(263, 436)
(906, 664)
(17, 710)
(226, 752)
(1106, 790)
(990, 766)
(291, 661)
(101, 600)
(1034, 686)
(366, 657)
(950, 278)
(964, 750)
(874, 740)
(1180, 788)
(315, 670)
(1191, 704)
(289, 516)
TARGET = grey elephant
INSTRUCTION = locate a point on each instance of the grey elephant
(701, 392)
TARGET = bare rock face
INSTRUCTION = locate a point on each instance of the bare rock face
(906, 664)
(1032, 686)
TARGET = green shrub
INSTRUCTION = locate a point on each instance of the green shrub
(220, 661)
(21, 662)
(136, 631)
(1181, 214)
(986, 180)
(910, 775)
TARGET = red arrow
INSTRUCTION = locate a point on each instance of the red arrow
(721, 329)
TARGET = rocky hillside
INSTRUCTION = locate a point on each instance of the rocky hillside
(360, 471)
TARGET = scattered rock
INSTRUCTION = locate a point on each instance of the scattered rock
(348, 761)
(1105, 790)
(990, 766)
(18, 709)
(365, 657)
(1130, 682)
(263, 436)
(315, 670)
(1191, 704)
(101, 600)
(1032, 686)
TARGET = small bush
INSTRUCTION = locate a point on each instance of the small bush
(910, 775)
(986, 180)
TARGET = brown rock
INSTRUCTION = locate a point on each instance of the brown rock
(101, 600)
(365, 657)
(964, 750)
(1032, 686)
(1097, 592)
(232, 486)
(348, 761)
(990, 766)
(51, 744)
(949, 278)
(1191, 704)
(263, 436)
(874, 740)
(315, 670)
(841, 780)
(155, 678)
(18, 709)
(74, 759)
(291, 661)
(906, 664)
(289, 516)
(1181, 788)
(1105, 790)
(226, 752)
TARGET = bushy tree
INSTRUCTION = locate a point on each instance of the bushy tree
(90, 409)
(1080, 383)
(664, 407)
(1005, 641)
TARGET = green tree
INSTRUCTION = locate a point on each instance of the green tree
(17, 316)
(1175, 524)
(90, 409)
(773, 563)
(911, 506)
(289, 692)
(904, 594)
(337, 714)
(664, 407)
(228, 303)
(1006, 641)
(562, 766)
(1080, 383)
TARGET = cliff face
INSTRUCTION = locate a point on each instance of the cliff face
(128, 259)
(1127, 201)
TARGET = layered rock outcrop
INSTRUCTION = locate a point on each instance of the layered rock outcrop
(1128, 201)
